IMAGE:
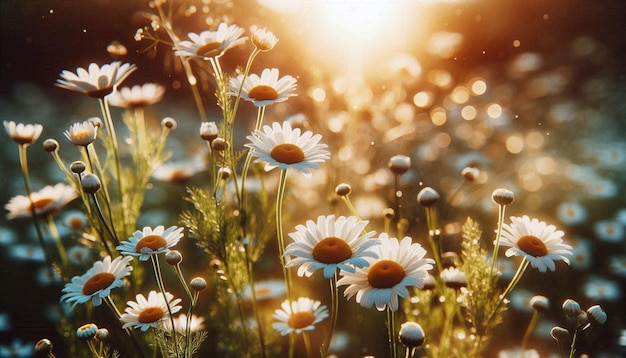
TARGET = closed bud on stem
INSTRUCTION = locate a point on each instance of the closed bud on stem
(91, 183)
(198, 284)
(411, 335)
(78, 167)
(43, 346)
(343, 189)
(502, 196)
(173, 257)
(50, 145)
(169, 123)
(427, 197)
(399, 164)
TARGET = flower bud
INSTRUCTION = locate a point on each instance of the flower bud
(224, 173)
(389, 213)
(95, 121)
(86, 331)
(470, 173)
(399, 164)
(502, 196)
(343, 189)
(198, 284)
(596, 315)
(411, 334)
(427, 197)
(50, 145)
(571, 308)
(169, 123)
(173, 257)
(208, 131)
(560, 334)
(43, 346)
(219, 144)
(540, 303)
(78, 167)
(102, 334)
(91, 183)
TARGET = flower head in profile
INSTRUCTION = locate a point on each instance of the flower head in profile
(82, 133)
(298, 316)
(263, 39)
(147, 242)
(144, 313)
(97, 282)
(329, 244)
(265, 89)
(537, 242)
(96, 81)
(283, 147)
(46, 201)
(400, 265)
(137, 96)
(209, 44)
(180, 324)
(23, 134)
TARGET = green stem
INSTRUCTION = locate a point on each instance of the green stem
(57, 240)
(109, 302)
(108, 122)
(279, 231)
(159, 279)
(334, 300)
(391, 329)
(433, 236)
(501, 209)
(572, 348)
(255, 305)
(29, 192)
(529, 331)
(246, 165)
(104, 223)
(307, 344)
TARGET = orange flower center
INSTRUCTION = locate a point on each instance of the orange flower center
(150, 314)
(42, 203)
(153, 242)
(385, 274)
(263, 93)
(301, 319)
(287, 153)
(98, 282)
(532, 245)
(22, 139)
(332, 250)
(210, 49)
(99, 93)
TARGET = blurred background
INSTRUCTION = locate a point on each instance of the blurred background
(529, 92)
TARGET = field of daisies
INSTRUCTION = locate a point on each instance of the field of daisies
(230, 178)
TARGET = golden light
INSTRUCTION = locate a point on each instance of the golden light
(349, 35)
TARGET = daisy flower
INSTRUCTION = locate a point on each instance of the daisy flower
(209, 44)
(284, 147)
(265, 89)
(180, 323)
(97, 282)
(148, 242)
(400, 264)
(95, 81)
(263, 39)
(82, 134)
(539, 243)
(301, 315)
(24, 134)
(330, 244)
(137, 96)
(145, 313)
(572, 213)
(265, 290)
(46, 201)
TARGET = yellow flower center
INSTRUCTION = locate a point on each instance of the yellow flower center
(287, 153)
(98, 282)
(42, 203)
(301, 319)
(263, 93)
(385, 274)
(153, 242)
(210, 49)
(150, 314)
(532, 245)
(332, 250)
